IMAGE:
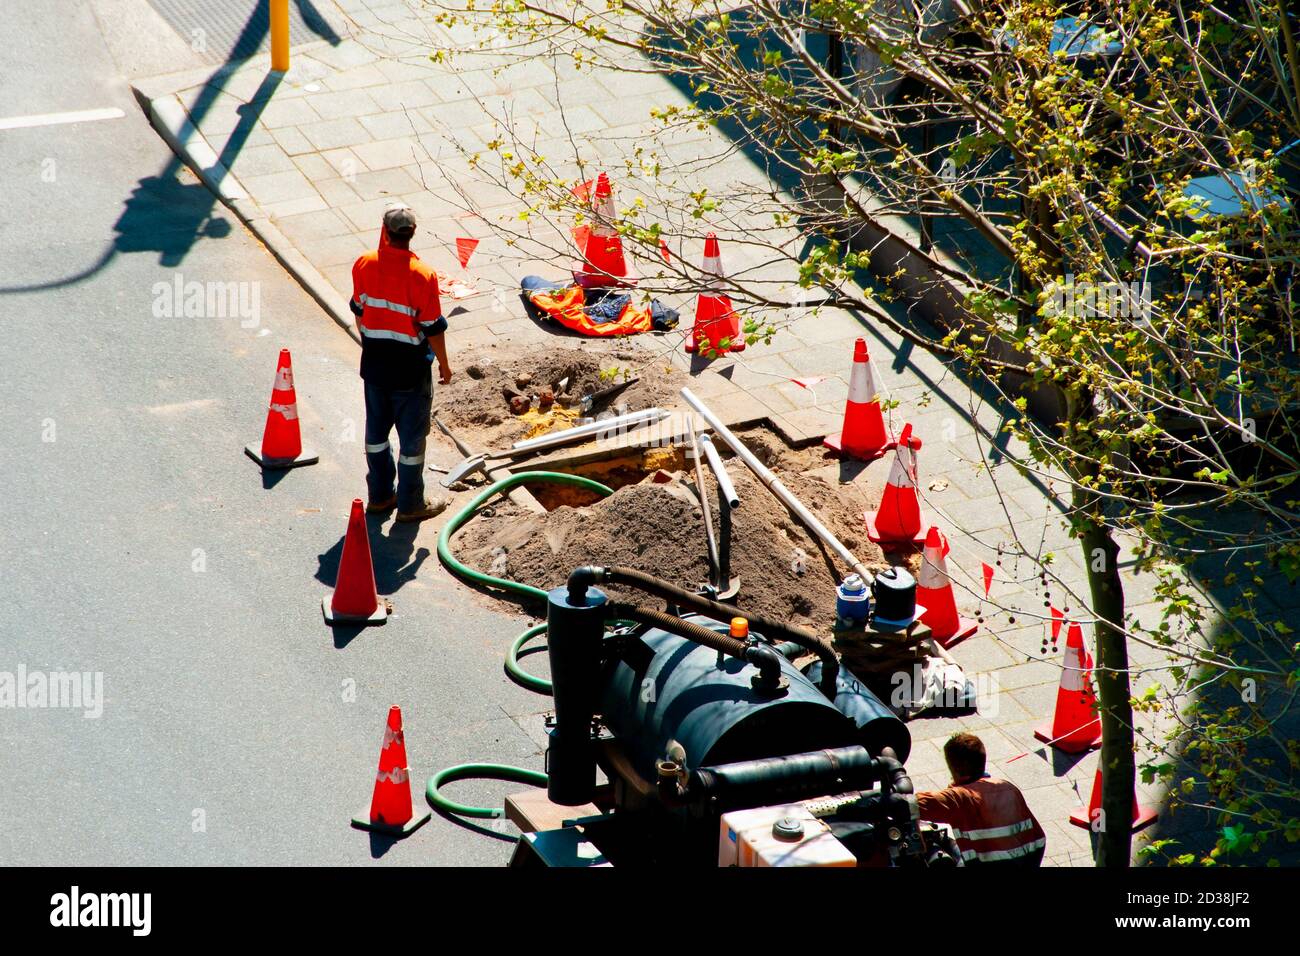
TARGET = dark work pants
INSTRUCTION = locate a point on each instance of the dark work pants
(410, 413)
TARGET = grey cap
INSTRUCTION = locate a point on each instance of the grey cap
(399, 218)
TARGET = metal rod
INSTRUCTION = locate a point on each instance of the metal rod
(728, 500)
(725, 488)
(715, 565)
(541, 442)
(724, 544)
(773, 484)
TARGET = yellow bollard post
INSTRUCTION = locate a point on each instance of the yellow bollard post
(279, 35)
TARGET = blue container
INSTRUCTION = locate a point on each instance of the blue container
(852, 602)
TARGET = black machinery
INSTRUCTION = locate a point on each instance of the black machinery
(690, 715)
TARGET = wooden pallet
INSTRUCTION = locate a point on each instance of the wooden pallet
(879, 652)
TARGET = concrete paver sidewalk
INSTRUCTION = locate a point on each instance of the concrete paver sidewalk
(319, 152)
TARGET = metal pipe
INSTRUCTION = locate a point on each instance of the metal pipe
(724, 545)
(725, 487)
(715, 565)
(773, 484)
(542, 442)
(728, 501)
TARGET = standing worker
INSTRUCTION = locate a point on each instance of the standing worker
(989, 818)
(399, 316)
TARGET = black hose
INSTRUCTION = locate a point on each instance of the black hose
(798, 776)
(899, 781)
(593, 574)
(762, 656)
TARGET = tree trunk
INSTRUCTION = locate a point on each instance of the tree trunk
(1101, 553)
(1101, 559)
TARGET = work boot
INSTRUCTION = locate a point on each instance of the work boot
(430, 509)
(388, 504)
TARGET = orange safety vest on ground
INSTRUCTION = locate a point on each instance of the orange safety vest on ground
(395, 299)
(566, 307)
(990, 820)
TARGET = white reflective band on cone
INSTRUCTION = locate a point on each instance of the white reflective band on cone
(290, 412)
(372, 449)
(410, 459)
(933, 572)
(396, 775)
(283, 379)
(1072, 675)
(904, 467)
(390, 735)
(862, 384)
(712, 266)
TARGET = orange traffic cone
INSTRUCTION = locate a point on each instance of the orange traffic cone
(897, 522)
(355, 599)
(1084, 816)
(282, 440)
(717, 323)
(934, 592)
(863, 435)
(1075, 727)
(602, 248)
(390, 807)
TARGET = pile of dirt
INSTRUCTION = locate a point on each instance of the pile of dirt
(476, 408)
(658, 527)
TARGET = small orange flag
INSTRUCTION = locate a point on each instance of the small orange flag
(464, 249)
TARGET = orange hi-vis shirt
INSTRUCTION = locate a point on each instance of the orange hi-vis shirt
(990, 820)
(395, 299)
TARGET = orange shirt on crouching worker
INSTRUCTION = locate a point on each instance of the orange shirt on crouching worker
(990, 820)
(395, 299)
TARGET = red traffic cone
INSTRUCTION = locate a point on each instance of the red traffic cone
(355, 599)
(391, 811)
(863, 435)
(282, 440)
(602, 248)
(717, 323)
(1084, 816)
(1075, 727)
(897, 522)
(934, 592)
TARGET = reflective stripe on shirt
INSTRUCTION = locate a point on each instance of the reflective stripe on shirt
(385, 304)
(992, 833)
(389, 334)
(992, 856)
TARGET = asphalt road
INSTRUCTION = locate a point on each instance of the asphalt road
(138, 542)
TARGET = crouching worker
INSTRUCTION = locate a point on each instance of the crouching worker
(990, 819)
(399, 316)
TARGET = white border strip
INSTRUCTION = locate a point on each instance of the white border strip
(58, 119)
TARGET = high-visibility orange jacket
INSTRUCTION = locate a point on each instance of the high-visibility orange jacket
(566, 306)
(395, 300)
(990, 820)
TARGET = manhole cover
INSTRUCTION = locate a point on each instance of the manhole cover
(223, 30)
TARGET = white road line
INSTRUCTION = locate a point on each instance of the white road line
(56, 119)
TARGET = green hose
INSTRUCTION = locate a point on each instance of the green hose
(516, 671)
(464, 571)
(493, 771)
(477, 771)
